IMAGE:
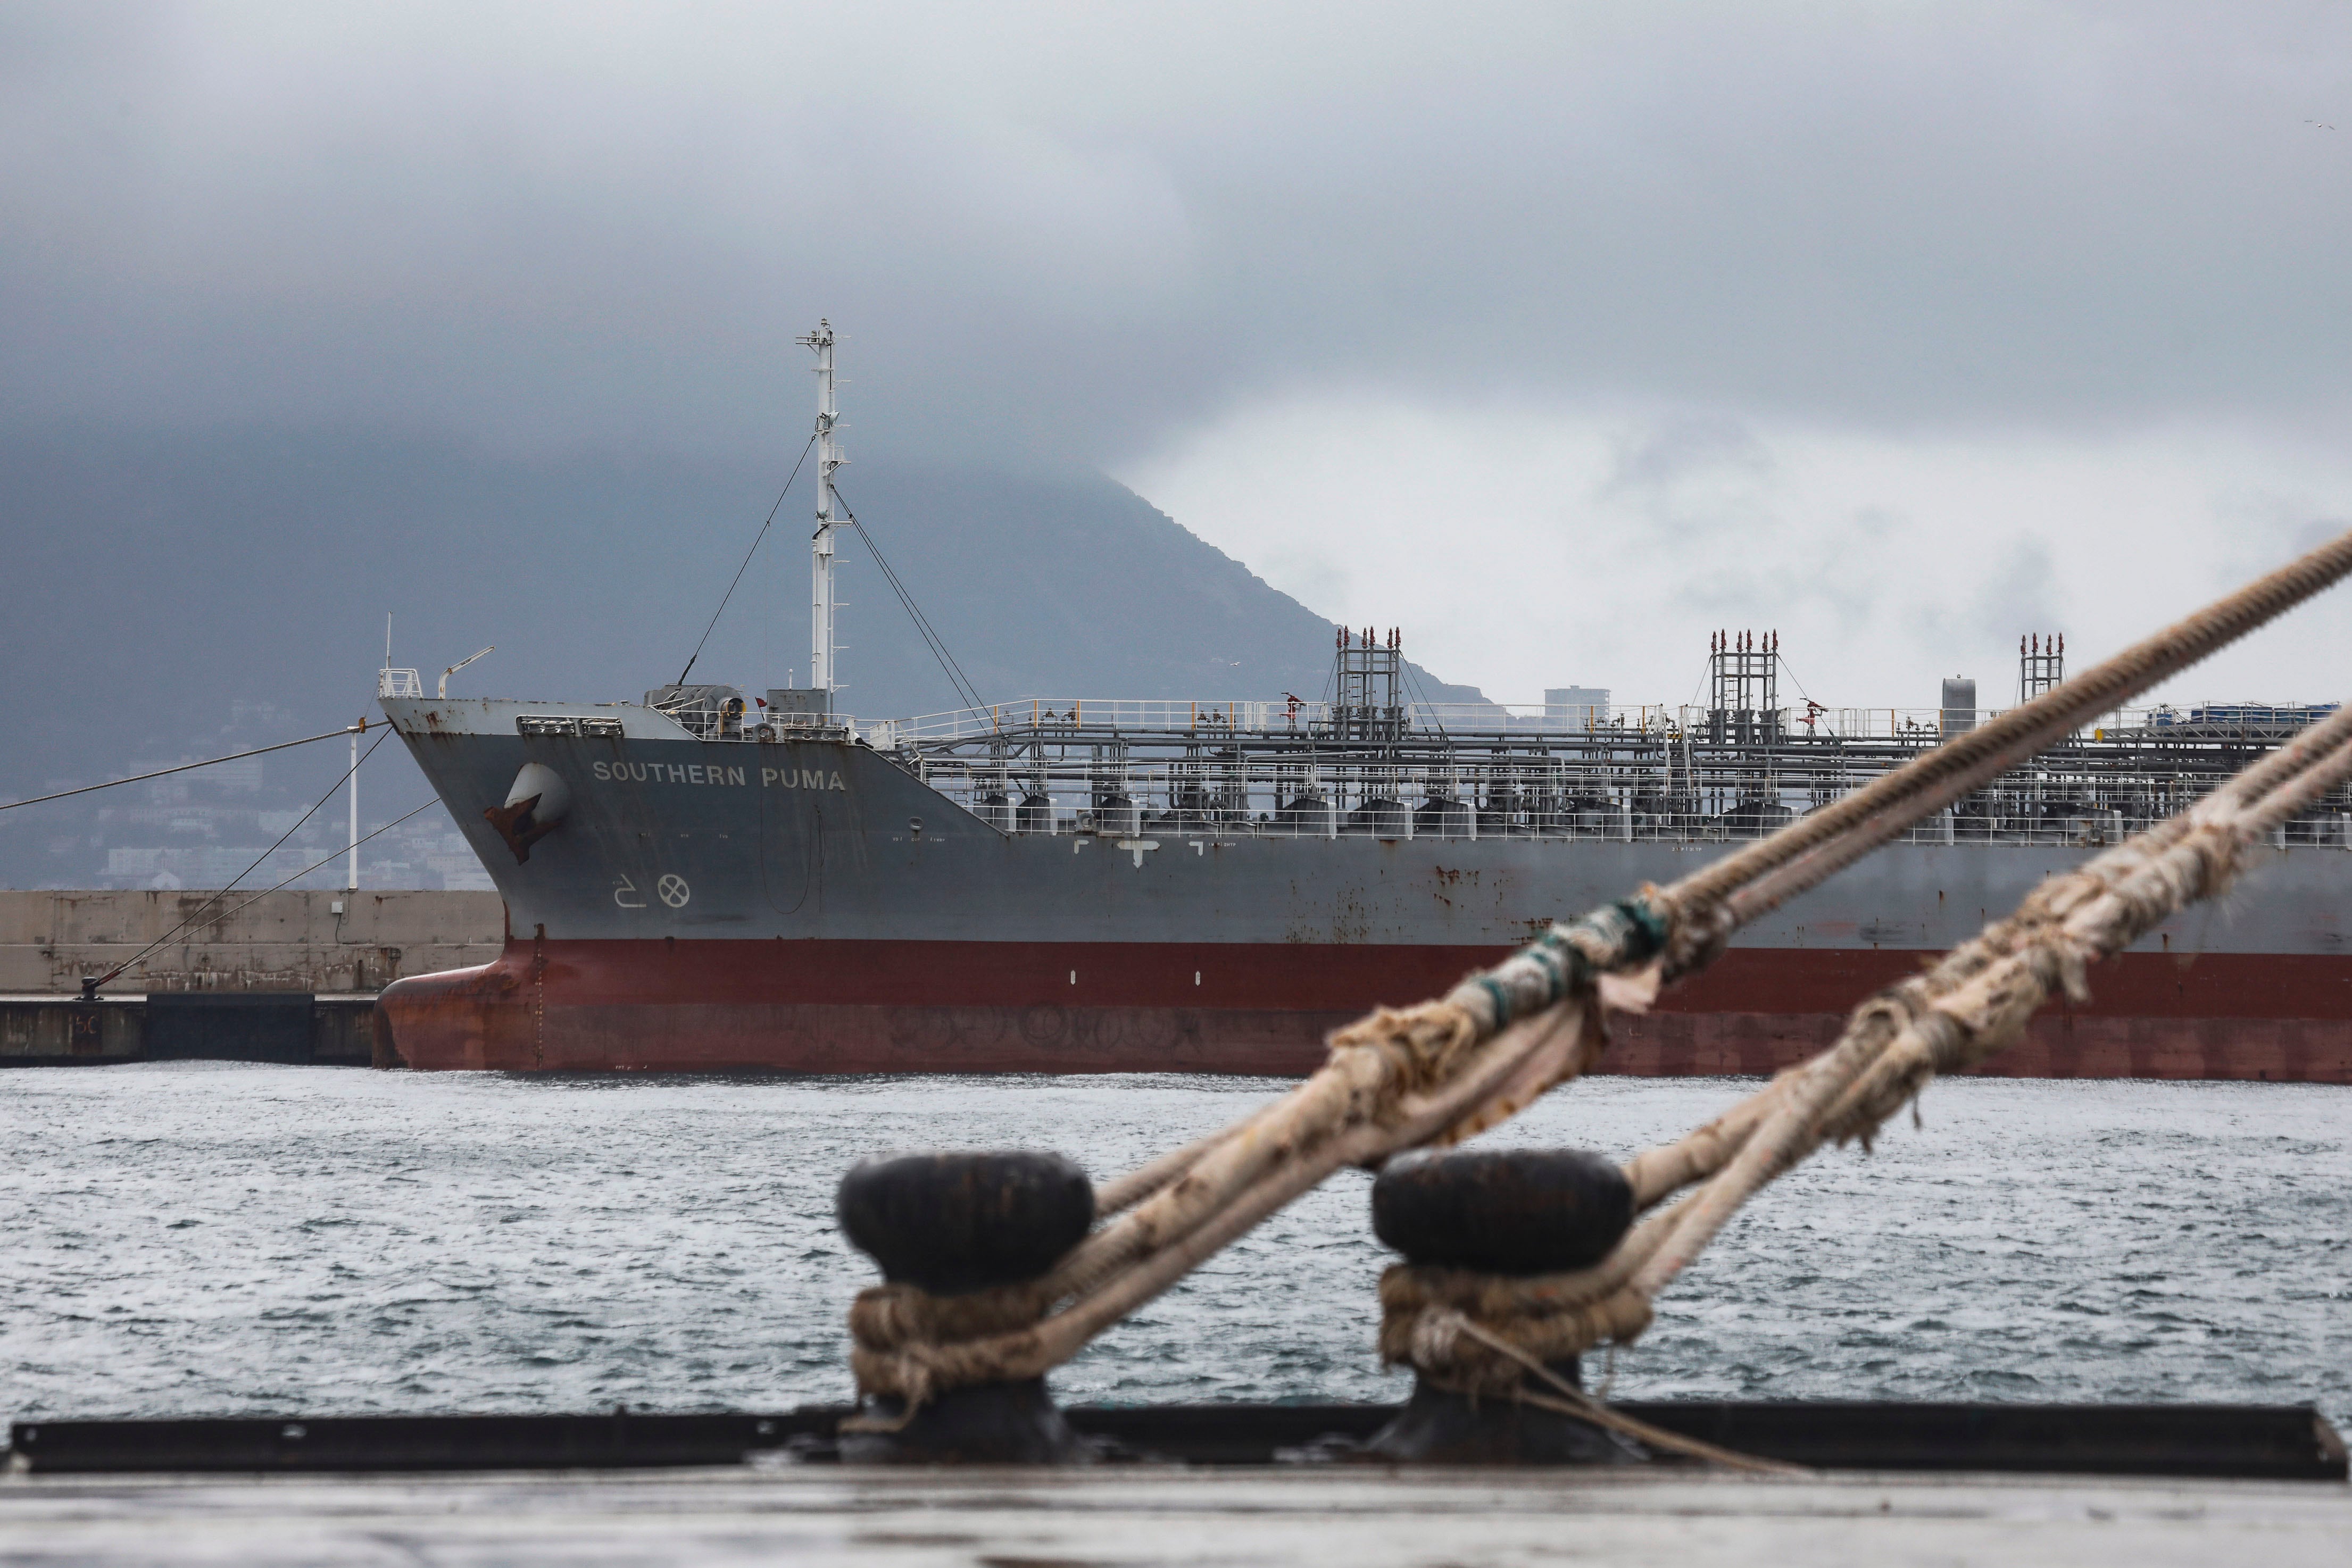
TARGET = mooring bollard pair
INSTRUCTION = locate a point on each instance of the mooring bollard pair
(958, 1226)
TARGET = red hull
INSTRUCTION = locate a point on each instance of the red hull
(978, 1007)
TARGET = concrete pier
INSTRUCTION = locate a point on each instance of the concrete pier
(326, 943)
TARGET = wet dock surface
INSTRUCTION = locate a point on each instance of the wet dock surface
(1006, 1519)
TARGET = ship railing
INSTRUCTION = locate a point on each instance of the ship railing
(1269, 716)
(391, 683)
(1918, 725)
(1051, 715)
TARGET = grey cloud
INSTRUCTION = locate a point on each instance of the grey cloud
(1690, 476)
(1662, 455)
(1069, 230)
(2019, 596)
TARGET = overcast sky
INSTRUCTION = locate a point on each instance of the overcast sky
(1559, 335)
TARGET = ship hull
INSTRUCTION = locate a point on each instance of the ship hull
(877, 1008)
(813, 907)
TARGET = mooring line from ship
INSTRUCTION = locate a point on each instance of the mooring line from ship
(90, 986)
(331, 859)
(1687, 923)
(937, 645)
(1971, 1007)
(359, 728)
(1442, 1071)
(280, 887)
(756, 541)
(1754, 881)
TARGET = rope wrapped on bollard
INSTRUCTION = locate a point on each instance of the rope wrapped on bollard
(1492, 1215)
(1438, 1073)
(963, 1239)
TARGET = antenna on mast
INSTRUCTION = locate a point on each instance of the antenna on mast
(828, 458)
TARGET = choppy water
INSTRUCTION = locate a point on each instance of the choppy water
(194, 1238)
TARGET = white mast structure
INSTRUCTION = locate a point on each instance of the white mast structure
(828, 458)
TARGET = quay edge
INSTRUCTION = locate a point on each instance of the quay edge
(285, 1028)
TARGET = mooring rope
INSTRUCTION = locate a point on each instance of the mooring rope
(1566, 1398)
(1405, 1077)
(359, 728)
(1973, 1005)
(1766, 874)
(91, 984)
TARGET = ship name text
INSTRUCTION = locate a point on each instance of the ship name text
(698, 773)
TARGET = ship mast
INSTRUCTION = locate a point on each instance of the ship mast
(828, 458)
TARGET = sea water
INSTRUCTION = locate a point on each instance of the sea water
(207, 1239)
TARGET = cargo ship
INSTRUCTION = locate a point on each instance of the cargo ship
(714, 880)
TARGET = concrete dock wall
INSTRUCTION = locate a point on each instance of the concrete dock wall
(319, 942)
(291, 1027)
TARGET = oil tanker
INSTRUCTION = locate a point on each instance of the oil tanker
(711, 880)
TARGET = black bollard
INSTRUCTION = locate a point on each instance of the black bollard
(950, 1224)
(1512, 1212)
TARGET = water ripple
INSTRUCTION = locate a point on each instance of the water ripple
(188, 1237)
